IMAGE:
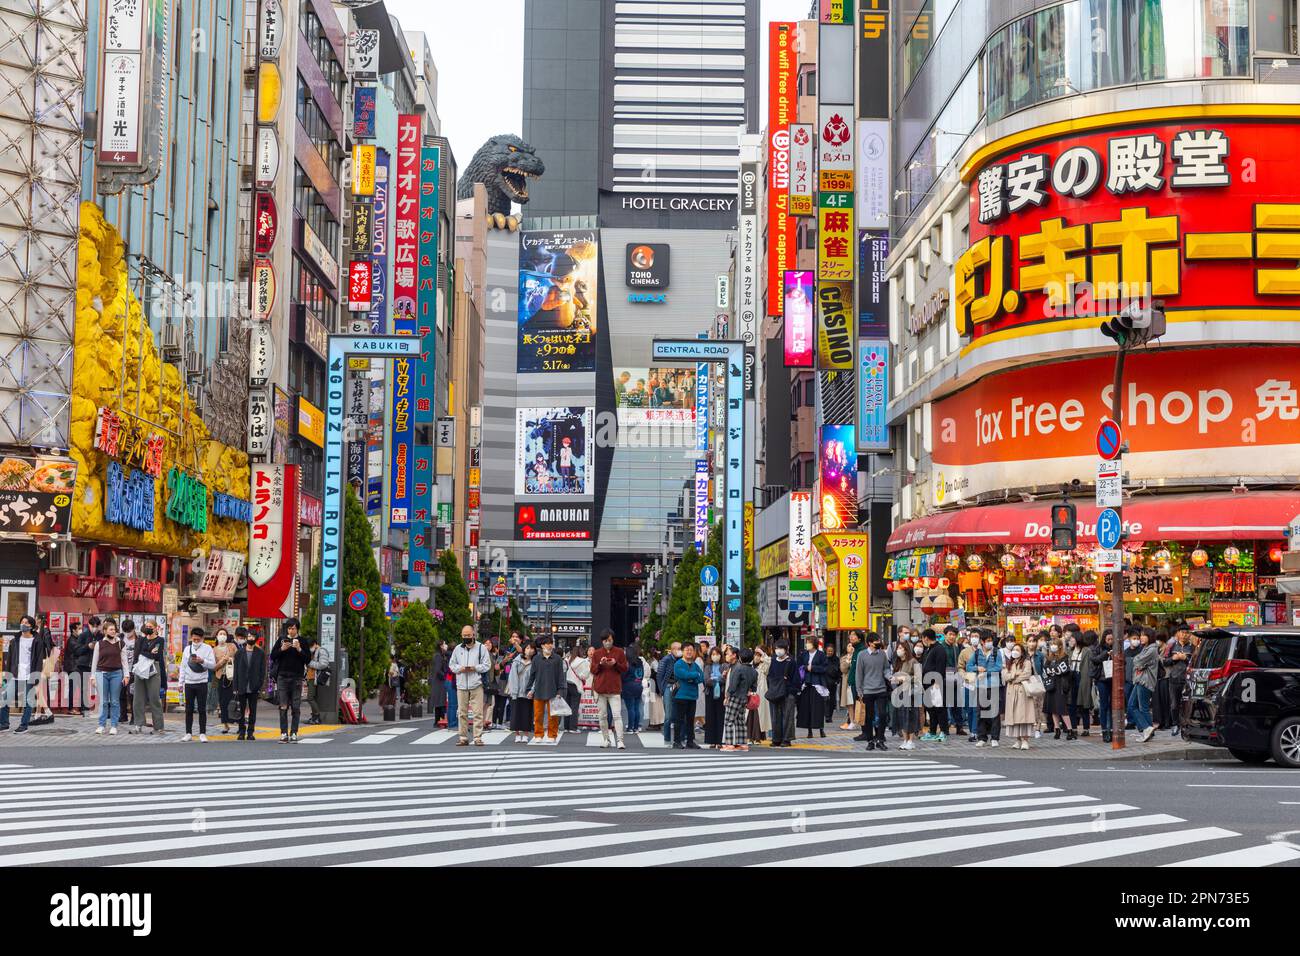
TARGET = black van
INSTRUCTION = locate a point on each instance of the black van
(1243, 693)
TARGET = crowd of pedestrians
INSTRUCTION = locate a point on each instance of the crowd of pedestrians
(120, 673)
(928, 685)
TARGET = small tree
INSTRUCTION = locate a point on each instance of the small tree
(685, 615)
(452, 597)
(359, 573)
(415, 636)
(649, 637)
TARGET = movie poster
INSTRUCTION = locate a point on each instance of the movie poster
(551, 451)
(559, 289)
(838, 468)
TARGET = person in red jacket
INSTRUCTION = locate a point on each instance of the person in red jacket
(607, 670)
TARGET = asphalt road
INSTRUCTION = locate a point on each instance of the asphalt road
(339, 803)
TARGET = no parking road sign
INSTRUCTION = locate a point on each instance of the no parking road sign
(1109, 440)
(357, 600)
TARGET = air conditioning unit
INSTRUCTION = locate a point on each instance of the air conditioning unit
(171, 343)
(194, 366)
(196, 394)
(63, 557)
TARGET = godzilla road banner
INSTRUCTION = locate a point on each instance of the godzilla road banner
(559, 289)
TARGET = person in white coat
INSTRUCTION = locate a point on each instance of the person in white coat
(198, 661)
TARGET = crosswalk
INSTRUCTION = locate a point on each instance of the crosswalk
(413, 807)
(422, 736)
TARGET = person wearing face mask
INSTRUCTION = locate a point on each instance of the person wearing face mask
(814, 693)
(848, 668)
(1132, 639)
(197, 662)
(873, 690)
(966, 689)
(289, 662)
(247, 683)
(689, 675)
(544, 682)
(1100, 661)
(1177, 656)
(759, 723)
(438, 692)
(714, 690)
(223, 676)
(1146, 661)
(986, 664)
(609, 664)
(470, 661)
(667, 686)
(106, 669)
(907, 693)
(934, 672)
(740, 681)
(23, 659)
(1059, 686)
(783, 686)
(148, 674)
(1081, 674)
(1020, 712)
(520, 710)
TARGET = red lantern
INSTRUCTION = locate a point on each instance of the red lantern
(1275, 554)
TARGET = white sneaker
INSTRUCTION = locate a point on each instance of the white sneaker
(979, 743)
(1037, 734)
(620, 746)
(993, 743)
(536, 740)
(604, 744)
(99, 730)
(1148, 733)
(203, 738)
(553, 741)
(112, 731)
(187, 737)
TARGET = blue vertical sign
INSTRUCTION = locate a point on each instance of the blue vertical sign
(378, 314)
(732, 355)
(426, 311)
(421, 517)
(873, 395)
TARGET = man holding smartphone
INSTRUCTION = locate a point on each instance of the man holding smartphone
(289, 658)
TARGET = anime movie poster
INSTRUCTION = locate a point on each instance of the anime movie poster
(551, 451)
(559, 289)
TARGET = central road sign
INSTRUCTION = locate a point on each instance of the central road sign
(1109, 440)
(1109, 530)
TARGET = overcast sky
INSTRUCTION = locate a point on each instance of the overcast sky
(479, 48)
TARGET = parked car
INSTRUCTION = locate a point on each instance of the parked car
(1243, 693)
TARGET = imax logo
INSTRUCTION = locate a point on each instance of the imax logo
(648, 297)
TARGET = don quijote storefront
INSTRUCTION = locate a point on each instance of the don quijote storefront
(1196, 208)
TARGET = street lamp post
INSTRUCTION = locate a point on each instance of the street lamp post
(1133, 326)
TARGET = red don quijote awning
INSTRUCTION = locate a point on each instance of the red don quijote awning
(1220, 516)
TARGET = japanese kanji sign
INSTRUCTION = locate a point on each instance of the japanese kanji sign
(1203, 215)
(272, 542)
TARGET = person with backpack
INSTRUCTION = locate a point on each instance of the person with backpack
(633, 689)
(148, 677)
(666, 687)
(247, 684)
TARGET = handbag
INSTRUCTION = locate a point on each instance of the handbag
(144, 668)
(1034, 686)
(860, 712)
(1107, 668)
(934, 696)
(560, 707)
(752, 701)
(776, 690)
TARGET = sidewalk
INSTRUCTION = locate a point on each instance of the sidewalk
(1160, 747)
(80, 731)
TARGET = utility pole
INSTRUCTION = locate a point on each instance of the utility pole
(1133, 326)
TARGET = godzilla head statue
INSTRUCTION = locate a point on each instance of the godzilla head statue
(503, 164)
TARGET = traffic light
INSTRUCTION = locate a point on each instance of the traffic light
(1064, 532)
(1135, 325)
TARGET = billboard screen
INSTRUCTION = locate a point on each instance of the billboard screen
(837, 464)
(656, 395)
(551, 451)
(799, 294)
(559, 289)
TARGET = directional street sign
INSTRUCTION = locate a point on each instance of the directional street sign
(708, 575)
(1109, 529)
(1110, 483)
(1109, 439)
(1109, 561)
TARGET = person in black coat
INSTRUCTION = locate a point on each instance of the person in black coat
(783, 686)
(934, 671)
(77, 655)
(813, 694)
(249, 679)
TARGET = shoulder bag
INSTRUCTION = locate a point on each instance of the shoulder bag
(1034, 686)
